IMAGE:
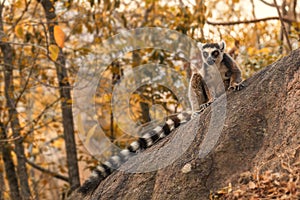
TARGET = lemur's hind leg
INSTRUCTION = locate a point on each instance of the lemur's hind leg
(199, 95)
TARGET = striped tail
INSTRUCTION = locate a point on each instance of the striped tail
(148, 139)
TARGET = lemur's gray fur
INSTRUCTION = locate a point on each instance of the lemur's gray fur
(200, 97)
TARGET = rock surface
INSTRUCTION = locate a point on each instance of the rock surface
(262, 121)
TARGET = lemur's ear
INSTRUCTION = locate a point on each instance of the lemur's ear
(200, 45)
(222, 45)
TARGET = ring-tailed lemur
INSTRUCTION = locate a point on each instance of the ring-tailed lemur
(199, 96)
(217, 72)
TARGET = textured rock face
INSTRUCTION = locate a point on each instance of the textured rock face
(262, 121)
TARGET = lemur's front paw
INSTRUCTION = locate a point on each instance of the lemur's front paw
(202, 107)
(236, 86)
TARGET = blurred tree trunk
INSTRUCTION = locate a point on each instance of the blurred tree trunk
(9, 167)
(14, 121)
(288, 10)
(65, 94)
(9, 90)
(257, 35)
(200, 8)
(2, 186)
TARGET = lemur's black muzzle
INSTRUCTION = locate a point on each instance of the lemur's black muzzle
(210, 61)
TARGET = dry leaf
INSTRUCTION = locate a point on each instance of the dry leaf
(54, 51)
(19, 31)
(252, 185)
(59, 36)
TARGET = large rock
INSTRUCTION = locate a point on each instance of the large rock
(261, 121)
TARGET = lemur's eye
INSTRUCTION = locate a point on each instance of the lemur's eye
(205, 54)
(215, 54)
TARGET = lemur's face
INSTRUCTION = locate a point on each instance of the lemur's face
(212, 53)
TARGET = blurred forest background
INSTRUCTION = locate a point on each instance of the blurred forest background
(40, 42)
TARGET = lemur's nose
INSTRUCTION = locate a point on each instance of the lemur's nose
(210, 61)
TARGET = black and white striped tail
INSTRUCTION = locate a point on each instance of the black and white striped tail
(151, 137)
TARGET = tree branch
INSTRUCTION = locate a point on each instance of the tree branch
(46, 171)
(25, 85)
(283, 26)
(249, 21)
(268, 4)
